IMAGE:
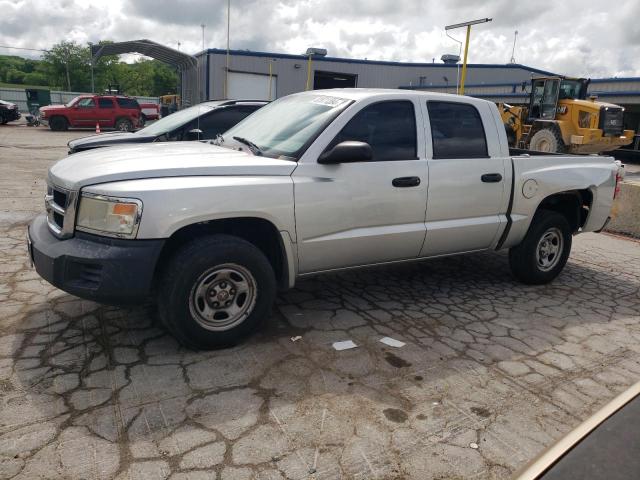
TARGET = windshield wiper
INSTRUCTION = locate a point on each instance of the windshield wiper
(252, 146)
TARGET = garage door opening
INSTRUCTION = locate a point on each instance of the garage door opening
(322, 80)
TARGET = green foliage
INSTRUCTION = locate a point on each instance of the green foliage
(67, 65)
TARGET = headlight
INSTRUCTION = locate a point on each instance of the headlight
(110, 216)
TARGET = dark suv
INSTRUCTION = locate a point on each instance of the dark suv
(200, 122)
(8, 112)
(108, 111)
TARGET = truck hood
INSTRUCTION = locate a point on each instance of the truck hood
(173, 159)
(107, 140)
(49, 108)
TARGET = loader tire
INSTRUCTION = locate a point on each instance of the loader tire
(547, 140)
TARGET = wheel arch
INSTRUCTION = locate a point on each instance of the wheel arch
(574, 205)
(124, 117)
(260, 232)
(60, 115)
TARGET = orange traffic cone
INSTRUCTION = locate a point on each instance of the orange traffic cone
(97, 127)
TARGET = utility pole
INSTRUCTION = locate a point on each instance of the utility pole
(466, 45)
(202, 26)
(226, 69)
(93, 87)
(513, 51)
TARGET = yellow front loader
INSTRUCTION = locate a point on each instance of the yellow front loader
(559, 118)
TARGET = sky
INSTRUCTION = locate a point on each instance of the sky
(580, 38)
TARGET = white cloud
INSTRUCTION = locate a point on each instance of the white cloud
(586, 38)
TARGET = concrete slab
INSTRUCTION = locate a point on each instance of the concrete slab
(88, 391)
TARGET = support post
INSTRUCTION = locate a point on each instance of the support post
(308, 86)
(270, 76)
(464, 63)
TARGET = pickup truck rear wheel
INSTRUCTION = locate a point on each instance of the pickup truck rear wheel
(215, 291)
(544, 251)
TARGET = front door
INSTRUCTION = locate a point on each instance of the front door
(467, 184)
(86, 113)
(360, 213)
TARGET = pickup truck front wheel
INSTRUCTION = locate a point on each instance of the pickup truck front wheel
(544, 251)
(215, 291)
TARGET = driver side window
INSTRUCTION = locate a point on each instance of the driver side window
(86, 103)
(389, 127)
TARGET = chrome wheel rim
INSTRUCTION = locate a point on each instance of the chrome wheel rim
(124, 127)
(549, 249)
(223, 297)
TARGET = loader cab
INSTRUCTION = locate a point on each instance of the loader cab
(546, 92)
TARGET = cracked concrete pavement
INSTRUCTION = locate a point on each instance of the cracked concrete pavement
(89, 391)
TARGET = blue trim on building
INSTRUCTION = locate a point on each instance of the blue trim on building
(617, 94)
(248, 53)
(615, 80)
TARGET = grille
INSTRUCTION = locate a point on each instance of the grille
(611, 121)
(60, 206)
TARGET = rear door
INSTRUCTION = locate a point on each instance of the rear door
(467, 187)
(359, 213)
(106, 111)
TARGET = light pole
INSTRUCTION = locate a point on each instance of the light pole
(226, 69)
(466, 45)
(513, 51)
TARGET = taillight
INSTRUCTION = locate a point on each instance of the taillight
(616, 191)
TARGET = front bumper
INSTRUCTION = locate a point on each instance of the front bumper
(592, 141)
(105, 270)
(11, 115)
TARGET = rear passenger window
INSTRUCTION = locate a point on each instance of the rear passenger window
(221, 120)
(389, 127)
(128, 103)
(105, 103)
(456, 130)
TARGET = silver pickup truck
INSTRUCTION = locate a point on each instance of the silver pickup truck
(314, 182)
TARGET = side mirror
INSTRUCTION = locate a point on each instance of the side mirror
(347, 152)
(194, 134)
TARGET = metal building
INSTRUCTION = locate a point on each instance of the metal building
(267, 76)
(264, 76)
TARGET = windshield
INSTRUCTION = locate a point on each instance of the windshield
(73, 102)
(570, 89)
(285, 127)
(175, 120)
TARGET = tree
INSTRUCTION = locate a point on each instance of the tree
(68, 65)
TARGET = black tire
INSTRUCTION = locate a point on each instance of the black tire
(526, 261)
(143, 120)
(3, 120)
(190, 267)
(58, 124)
(547, 140)
(124, 125)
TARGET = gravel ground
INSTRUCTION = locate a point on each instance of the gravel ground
(492, 371)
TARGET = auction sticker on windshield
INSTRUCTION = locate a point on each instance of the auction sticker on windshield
(329, 101)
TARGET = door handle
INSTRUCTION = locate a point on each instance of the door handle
(491, 177)
(406, 182)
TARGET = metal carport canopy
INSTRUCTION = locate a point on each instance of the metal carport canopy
(147, 48)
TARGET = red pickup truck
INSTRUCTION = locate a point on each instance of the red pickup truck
(85, 111)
